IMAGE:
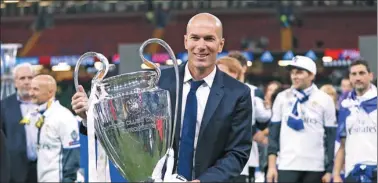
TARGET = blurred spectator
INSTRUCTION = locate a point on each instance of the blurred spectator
(21, 136)
(346, 87)
(331, 91)
(271, 88)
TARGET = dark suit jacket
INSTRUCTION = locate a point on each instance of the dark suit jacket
(224, 141)
(4, 158)
(225, 137)
(15, 138)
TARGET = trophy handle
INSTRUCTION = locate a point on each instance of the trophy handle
(99, 75)
(158, 71)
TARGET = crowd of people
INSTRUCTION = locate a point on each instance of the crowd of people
(229, 130)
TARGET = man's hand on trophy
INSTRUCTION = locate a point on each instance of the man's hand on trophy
(165, 166)
(80, 102)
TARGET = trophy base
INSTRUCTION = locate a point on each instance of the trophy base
(149, 180)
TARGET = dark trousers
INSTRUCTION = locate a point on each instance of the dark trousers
(299, 176)
(244, 178)
(32, 172)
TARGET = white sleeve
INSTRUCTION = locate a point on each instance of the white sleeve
(69, 131)
(329, 117)
(261, 113)
(277, 109)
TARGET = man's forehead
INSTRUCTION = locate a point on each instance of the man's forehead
(203, 31)
(358, 68)
(24, 71)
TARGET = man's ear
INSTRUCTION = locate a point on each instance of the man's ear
(185, 41)
(221, 45)
(371, 75)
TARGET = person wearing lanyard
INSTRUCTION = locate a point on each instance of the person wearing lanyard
(213, 135)
(358, 128)
(20, 137)
(58, 134)
(302, 130)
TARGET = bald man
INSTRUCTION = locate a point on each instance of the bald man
(20, 138)
(213, 133)
(58, 134)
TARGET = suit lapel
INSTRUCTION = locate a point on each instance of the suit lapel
(215, 96)
(15, 107)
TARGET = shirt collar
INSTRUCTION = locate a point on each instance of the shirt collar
(208, 79)
(371, 93)
(306, 91)
(47, 105)
(23, 101)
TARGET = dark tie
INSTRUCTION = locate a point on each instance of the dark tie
(185, 161)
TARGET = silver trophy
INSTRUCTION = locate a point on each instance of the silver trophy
(8, 62)
(133, 115)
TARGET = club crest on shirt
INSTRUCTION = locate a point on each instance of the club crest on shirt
(75, 137)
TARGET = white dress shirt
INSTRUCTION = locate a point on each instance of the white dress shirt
(202, 95)
(31, 131)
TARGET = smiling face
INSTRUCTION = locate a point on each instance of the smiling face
(301, 79)
(43, 88)
(203, 41)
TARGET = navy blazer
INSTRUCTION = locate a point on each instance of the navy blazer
(225, 136)
(15, 138)
(4, 157)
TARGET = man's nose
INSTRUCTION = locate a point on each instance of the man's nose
(201, 44)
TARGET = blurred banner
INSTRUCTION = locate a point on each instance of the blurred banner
(368, 48)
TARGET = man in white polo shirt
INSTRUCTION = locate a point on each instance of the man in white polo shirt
(302, 130)
(358, 128)
(58, 134)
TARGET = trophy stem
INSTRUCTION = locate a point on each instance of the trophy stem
(158, 71)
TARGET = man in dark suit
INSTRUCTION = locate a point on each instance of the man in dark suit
(213, 132)
(20, 138)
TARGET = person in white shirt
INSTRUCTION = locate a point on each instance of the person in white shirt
(58, 134)
(358, 128)
(233, 67)
(302, 130)
(260, 117)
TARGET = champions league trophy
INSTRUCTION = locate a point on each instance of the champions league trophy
(131, 117)
(8, 62)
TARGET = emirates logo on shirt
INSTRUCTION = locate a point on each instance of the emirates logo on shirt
(362, 129)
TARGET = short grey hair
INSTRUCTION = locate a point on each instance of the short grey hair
(27, 65)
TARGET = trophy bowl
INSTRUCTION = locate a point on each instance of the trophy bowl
(133, 122)
(131, 116)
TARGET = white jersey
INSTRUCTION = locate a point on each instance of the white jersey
(58, 148)
(303, 150)
(359, 126)
(261, 114)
